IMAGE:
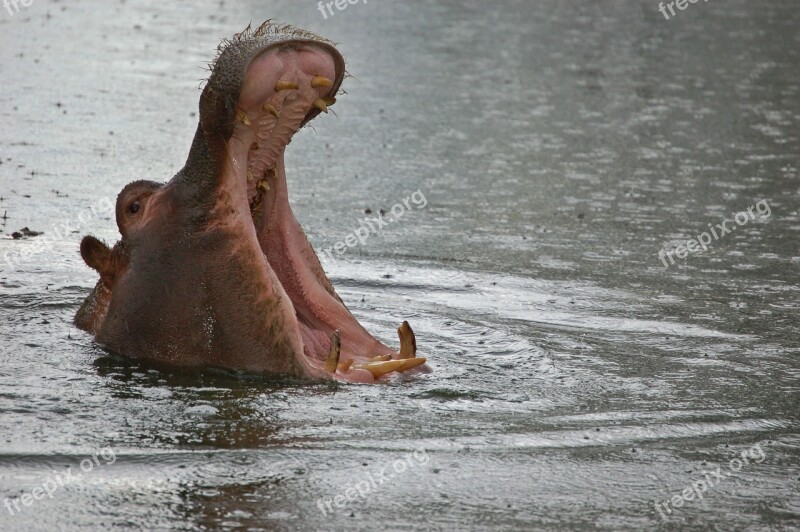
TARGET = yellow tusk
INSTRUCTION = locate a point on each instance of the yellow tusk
(241, 116)
(380, 358)
(344, 367)
(286, 85)
(408, 342)
(413, 363)
(335, 352)
(321, 81)
(271, 109)
(320, 104)
(379, 369)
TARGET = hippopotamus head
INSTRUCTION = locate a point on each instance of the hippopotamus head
(212, 268)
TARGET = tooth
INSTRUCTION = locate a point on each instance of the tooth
(335, 351)
(413, 363)
(241, 116)
(321, 81)
(379, 369)
(263, 185)
(321, 105)
(380, 358)
(271, 109)
(344, 367)
(286, 85)
(249, 175)
(329, 100)
(408, 342)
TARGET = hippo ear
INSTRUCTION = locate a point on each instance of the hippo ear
(97, 256)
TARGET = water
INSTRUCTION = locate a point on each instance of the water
(559, 146)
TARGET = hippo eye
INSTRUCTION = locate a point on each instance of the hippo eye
(134, 207)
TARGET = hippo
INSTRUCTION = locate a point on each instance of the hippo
(212, 269)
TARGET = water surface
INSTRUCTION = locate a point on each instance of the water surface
(560, 146)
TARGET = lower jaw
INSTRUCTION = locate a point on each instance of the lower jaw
(322, 319)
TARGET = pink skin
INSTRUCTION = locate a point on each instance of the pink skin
(280, 236)
(244, 289)
(289, 254)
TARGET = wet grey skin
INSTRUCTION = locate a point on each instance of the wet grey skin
(213, 269)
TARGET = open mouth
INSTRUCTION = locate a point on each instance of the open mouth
(285, 86)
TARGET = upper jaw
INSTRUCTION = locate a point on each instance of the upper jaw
(238, 81)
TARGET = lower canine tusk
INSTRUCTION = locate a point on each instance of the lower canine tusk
(336, 350)
(408, 342)
(379, 369)
(413, 363)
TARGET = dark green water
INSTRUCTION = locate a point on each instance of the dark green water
(559, 145)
